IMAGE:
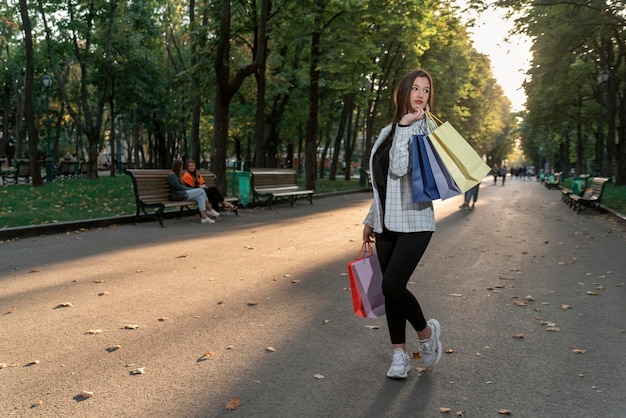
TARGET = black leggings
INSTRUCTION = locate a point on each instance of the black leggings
(214, 197)
(399, 254)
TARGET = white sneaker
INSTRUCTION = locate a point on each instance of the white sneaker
(207, 220)
(212, 212)
(431, 348)
(400, 365)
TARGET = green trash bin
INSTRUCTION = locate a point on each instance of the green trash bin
(578, 185)
(243, 184)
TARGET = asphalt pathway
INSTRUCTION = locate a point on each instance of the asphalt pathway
(254, 313)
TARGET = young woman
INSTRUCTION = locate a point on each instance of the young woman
(402, 228)
(193, 178)
(189, 193)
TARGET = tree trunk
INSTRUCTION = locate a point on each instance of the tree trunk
(29, 109)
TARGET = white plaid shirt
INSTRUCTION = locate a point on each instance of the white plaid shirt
(401, 215)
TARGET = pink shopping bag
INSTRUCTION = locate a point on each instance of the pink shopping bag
(366, 279)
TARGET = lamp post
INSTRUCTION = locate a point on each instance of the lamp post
(47, 82)
(602, 78)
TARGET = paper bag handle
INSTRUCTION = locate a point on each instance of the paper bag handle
(366, 250)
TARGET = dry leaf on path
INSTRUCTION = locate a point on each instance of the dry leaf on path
(31, 363)
(253, 303)
(94, 331)
(207, 356)
(566, 307)
(85, 394)
(589, 292)
(131, 326)
(234, 404)
(579, 351)
(184, 255)
(372, 326)
(505, 411)
(139, 370)
(65, 305)
(521, 303)
(318, 376)
(270, 349)
(444, 409)
(518, 336)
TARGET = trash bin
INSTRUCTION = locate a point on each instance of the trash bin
(243, 183)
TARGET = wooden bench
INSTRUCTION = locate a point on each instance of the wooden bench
(592, 198)
(553, 180)
(271, 184)
(21, 171)
(578, 188)
(152, 192)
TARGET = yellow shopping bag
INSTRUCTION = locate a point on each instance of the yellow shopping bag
(464, 164)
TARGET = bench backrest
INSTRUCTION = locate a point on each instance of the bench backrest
(23, 168)
(152, 183)
(273, 177)
(597, 186)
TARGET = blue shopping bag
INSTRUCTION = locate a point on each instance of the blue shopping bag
(445, 183)
(424, 187)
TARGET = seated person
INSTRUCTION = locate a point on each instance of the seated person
(193, 178)
(190, 193)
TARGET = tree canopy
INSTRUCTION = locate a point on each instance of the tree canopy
(305, 84)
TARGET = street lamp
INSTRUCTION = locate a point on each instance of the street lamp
(602, 78)
(47, 82)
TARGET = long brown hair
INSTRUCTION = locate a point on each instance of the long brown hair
(177, 168)
(402, 95)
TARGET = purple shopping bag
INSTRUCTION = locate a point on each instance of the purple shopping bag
(366, 279)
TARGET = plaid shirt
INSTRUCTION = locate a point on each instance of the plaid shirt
(401, 215)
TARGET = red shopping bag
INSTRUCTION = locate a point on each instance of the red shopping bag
(366, 279)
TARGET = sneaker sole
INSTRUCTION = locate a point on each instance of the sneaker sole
(398, 376)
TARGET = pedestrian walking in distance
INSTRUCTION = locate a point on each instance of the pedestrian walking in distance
(402, 229)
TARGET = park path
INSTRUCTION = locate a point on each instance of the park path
(263, 297)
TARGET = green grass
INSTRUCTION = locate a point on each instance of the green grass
(81, 199)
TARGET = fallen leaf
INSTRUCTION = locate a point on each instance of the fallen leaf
(589, 292)
(599, 287)
(421, 369)
(34, 270)
(234, 404)
(270, 349)
(326, 321)
(505, 411)
(98, 281)
(296, 281)
(94, 331)
(36, 404)
(131, 326)
(521, 303)
(416, 355)
(457, 295)
(31, 363)
(253, 303)
(318, 376)
(444, 409)
(162, 319)
(247, 247)
(372, 326)
(518, 336)
(553, 329)
(65, 305)
(139, 370)
(207, 356)
(448, 350)
(113, 348)
(529, 298)
(85, 394)
(579, 351)
(184, 255)
(103, 293)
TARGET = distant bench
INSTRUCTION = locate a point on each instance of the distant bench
(152, 192)
(271, 184)
(592, 197)
(21, 171)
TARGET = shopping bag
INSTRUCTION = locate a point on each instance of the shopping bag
(366, 280)
(423, 185)
(466, 167)
(445, 183)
